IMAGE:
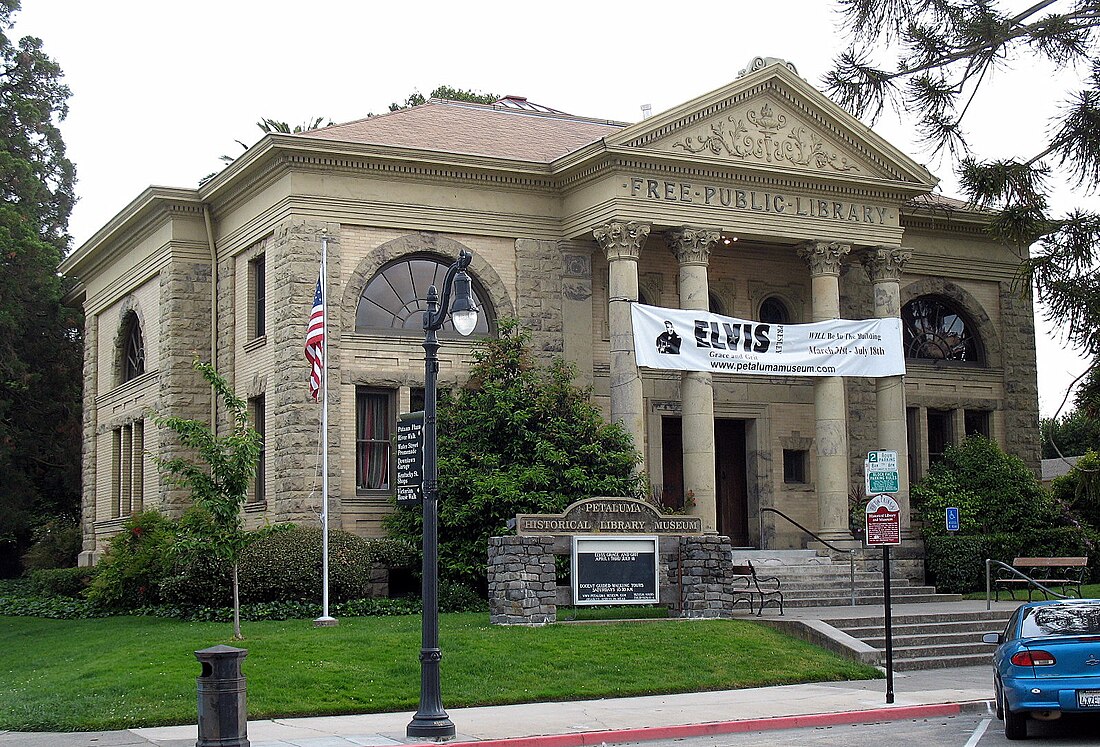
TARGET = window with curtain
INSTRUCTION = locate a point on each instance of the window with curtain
(396, 297)
(373, 425)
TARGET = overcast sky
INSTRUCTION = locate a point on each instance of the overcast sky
(160, 91)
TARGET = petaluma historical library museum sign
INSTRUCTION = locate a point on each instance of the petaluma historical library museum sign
(608, 515)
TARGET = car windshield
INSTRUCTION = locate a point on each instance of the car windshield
(1061, 619)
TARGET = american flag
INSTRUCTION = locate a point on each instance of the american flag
(315, 341)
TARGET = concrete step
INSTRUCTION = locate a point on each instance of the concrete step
(846, 623)
(931, 640)
(869, 599)
(839, 585)
(895, 593)
(781, 558)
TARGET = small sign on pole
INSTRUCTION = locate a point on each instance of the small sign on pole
(952, 519)
(881, 473)
(410, 458)
(883, 521)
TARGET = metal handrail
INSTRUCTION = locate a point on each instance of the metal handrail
(851, 553)
(990, 562)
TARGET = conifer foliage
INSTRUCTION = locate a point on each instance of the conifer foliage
(945, 50)
(40, 337)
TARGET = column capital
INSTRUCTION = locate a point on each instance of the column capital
(823, 256)
(885, 263)
(691, 246)
(622, 240)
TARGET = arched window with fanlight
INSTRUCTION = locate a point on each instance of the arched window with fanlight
(133, 348)
(936, 329)
(396, 297)
(774, 311)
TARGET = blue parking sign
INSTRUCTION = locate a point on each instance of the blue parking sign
(952, 519)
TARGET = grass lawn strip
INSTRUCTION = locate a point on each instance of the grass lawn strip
(126, 672)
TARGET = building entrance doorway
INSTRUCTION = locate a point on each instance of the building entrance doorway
(730, 471)
(730, 468)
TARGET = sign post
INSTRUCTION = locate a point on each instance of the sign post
(410, 458)
(883, 517)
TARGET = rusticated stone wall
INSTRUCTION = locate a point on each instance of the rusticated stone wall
(539, 272)
(185, 335)
(88, 455)
(1021, 402)
(706, 584)
(293, 257)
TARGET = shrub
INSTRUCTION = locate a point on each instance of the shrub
(62, 582)
(136, 562)
(994, 492)
(1080, 488)
(286, 565)
(459, 598)
(957, 564)
(56, 543)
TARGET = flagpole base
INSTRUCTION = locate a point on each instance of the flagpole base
(325, 622)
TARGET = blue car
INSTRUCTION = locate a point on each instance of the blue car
(1047, 662)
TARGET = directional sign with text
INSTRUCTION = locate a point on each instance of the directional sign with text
(881, 473)
(410, 458)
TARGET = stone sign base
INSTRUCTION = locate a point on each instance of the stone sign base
(695, 574)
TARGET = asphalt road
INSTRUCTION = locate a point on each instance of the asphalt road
(966, 730)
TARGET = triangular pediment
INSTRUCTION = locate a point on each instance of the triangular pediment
(775, 120)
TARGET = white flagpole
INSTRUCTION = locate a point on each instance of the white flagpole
(325, 620)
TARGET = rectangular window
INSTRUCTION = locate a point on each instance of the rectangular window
(374, 420)
(128, 469)
(912, 434)
(256, 409)
(977, 422)
(940, 434)
(257, 286)
(794, 466)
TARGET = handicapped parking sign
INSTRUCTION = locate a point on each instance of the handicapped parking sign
(952, 519)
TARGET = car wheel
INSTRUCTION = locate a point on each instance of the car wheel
(1015, 723)
(997, 697)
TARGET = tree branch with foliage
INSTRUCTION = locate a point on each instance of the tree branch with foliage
(219, 480)
(946, 50)
(41, 350)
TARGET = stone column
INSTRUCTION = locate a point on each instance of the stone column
(692, 249)
(830, 409)
(884, 265)
(622, 242)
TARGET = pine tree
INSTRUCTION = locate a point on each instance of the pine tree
(946, 50)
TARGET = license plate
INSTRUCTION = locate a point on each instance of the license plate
(1088, 698)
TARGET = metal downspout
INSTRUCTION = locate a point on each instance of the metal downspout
(213, 309)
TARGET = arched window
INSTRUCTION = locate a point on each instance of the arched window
(774, 311)
(133, 348)
(397, 295)
(716, 306)
(935, 329)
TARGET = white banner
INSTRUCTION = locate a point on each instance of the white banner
(700, 341)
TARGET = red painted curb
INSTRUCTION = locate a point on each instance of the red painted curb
(584, 739)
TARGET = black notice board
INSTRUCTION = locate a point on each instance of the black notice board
(410, 458)
(615, 570)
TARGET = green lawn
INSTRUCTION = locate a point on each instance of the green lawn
(121, 672)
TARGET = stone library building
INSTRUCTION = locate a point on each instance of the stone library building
(762, 200)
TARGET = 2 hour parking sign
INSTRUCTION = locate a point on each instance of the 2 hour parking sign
(881, 473)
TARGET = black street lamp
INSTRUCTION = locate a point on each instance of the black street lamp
(431, 721)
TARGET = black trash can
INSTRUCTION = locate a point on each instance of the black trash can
(223, 712)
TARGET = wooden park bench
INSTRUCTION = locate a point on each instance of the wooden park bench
(1057, 574)
(754, 589)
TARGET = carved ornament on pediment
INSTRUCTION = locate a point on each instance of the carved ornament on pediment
(762, 135)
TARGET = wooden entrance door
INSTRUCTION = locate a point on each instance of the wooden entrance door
(730, 468)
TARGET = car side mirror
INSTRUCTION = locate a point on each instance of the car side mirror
(994, 638)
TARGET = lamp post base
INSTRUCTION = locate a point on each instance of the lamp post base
(325, 622)
(430, 728)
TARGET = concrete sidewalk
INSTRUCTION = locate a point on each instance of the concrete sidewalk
(932, 693)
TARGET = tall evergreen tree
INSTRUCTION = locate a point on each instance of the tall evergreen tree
(946, 50)
(40, 337)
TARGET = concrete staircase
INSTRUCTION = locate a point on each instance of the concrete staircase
(947, 635)
(812, 580)
(929, 641)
